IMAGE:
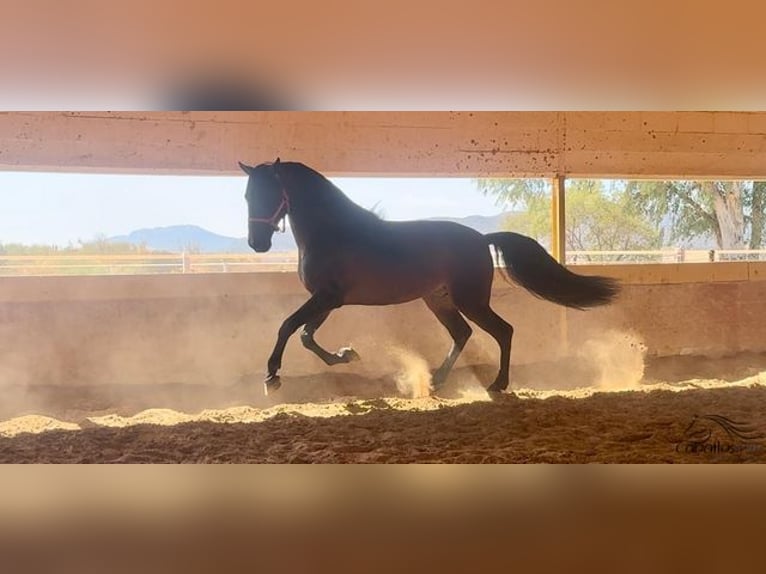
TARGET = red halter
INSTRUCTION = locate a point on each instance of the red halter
(277, 215)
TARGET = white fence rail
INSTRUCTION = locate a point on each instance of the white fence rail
(665, 256)
(165, 263)
(144, 263)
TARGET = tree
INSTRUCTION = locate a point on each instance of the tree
(757, 217)
(624, 215)
(101, 244)
(529, 201)
(730, 212)
(600, 215)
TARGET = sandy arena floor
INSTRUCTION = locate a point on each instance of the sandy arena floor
(342, 417)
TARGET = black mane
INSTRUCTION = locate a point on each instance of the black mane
(321, 189)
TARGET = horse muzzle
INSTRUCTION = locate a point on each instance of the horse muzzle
(259, 245)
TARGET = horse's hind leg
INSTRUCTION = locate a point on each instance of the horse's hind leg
(474, 304)
(345, 355)
(441, 304)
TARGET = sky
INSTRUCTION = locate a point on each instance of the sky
(59, 208)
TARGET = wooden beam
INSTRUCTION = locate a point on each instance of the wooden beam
(466, 144)
(558, 218)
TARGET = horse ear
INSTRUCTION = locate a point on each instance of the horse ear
(276, 162)
(246, 168)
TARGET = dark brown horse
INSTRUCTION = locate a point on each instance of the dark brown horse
(349, 256)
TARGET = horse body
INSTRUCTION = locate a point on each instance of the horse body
(349, 256)
(407, 261)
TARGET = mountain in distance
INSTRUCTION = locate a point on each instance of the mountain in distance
(179, 238)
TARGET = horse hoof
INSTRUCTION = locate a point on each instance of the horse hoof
(271, 384)
(438, 379)
(348, 355)
(495, 389)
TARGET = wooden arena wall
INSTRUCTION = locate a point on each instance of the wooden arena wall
(213, 328)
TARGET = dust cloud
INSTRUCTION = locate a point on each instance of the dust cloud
(618, 357)
(413, 379)
(75, 356)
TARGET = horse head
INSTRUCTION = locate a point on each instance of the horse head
(267, 203)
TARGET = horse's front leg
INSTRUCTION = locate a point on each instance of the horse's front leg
(318, 306)
(344, 355)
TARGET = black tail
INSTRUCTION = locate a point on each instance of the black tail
(530, 265)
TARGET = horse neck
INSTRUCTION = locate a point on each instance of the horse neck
(310, 220)
(317, 211)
